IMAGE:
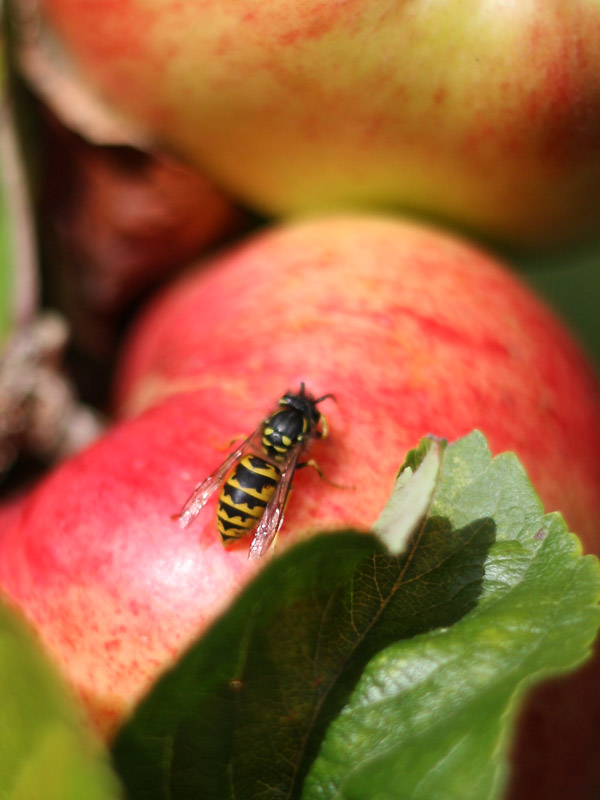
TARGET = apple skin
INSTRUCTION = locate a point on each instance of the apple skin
(113, 587)
(483, 113)
(414, 332)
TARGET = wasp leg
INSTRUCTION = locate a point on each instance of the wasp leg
(324, 432)
(312, 463)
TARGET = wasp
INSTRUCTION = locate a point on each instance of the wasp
(256, 478)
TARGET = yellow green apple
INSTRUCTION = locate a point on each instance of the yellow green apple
(481, 112)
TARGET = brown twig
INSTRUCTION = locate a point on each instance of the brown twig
(39, 410)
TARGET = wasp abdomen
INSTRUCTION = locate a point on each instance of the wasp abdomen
(244, 497)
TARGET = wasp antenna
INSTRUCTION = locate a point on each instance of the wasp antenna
(325, 397)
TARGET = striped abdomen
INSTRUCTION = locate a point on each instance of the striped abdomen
(244, 497)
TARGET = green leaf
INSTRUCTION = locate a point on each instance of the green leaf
(46, 753)
(450, 696)
(341, 658)
(247, 707)
(412, 495)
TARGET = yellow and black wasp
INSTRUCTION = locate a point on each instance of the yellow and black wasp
(254, 494)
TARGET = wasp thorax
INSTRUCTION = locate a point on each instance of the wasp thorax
(283, 430)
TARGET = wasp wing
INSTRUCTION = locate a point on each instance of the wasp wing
(204, 490)
(272, 519)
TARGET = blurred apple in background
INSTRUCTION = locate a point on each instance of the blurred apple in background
(115, 216)
(122, 219)
(482, 113)
(413, 331)
(116, 221)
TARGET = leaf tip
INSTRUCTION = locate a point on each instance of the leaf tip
(411, 495)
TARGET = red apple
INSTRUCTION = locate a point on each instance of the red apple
(10, 511)
(485, 113)
(413, 331)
